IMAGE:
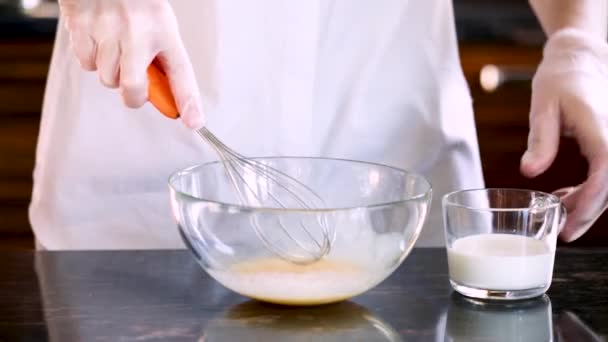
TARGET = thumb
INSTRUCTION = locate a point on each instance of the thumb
(586, 202)
(180, 73)
(543, 138)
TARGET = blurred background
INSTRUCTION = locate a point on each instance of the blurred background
(500, 46)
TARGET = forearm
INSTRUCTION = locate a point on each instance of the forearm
(587, 15)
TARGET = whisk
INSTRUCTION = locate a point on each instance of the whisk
(258, 184)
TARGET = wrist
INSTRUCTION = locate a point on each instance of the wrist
(570, 48)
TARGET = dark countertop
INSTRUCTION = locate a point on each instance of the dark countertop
(498, 21)
(166, 296)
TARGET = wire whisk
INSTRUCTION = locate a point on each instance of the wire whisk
(294, 235)
(259, 185)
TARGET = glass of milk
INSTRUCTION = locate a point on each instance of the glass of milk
(501, 242)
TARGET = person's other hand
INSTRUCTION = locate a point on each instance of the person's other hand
(120, 38)
(570, 97)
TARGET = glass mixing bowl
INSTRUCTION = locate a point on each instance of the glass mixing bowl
(374, 216)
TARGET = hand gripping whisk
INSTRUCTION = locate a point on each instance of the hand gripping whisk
(299, 238)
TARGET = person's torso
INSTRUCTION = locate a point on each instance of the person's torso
(373, 81)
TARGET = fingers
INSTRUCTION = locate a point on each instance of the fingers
(119, 39)
(543, 138)
(590, 199)
(133, 77)
(564, 192)
(77, 25)
(85, 49)
(586, 202)
(116, 68)
(180, 74)
(107, 61)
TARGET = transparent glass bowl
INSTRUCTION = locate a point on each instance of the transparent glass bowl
(375, 214)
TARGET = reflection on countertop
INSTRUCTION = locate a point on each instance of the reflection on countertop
(254, 321)
(463, 320)
(165, 295)
(471, 320)
(530, 320)
(503, 21)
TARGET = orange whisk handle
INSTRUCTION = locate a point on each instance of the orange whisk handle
(159, 92)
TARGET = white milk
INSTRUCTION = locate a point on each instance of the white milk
(500, 262)
(277, 281)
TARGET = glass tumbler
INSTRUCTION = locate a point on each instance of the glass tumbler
(501, 242)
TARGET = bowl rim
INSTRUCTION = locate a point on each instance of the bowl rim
(245, 208)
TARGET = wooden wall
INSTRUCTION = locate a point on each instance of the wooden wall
(502, 120)
(23, 68)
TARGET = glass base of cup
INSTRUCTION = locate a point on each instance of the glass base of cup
(504, 295)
